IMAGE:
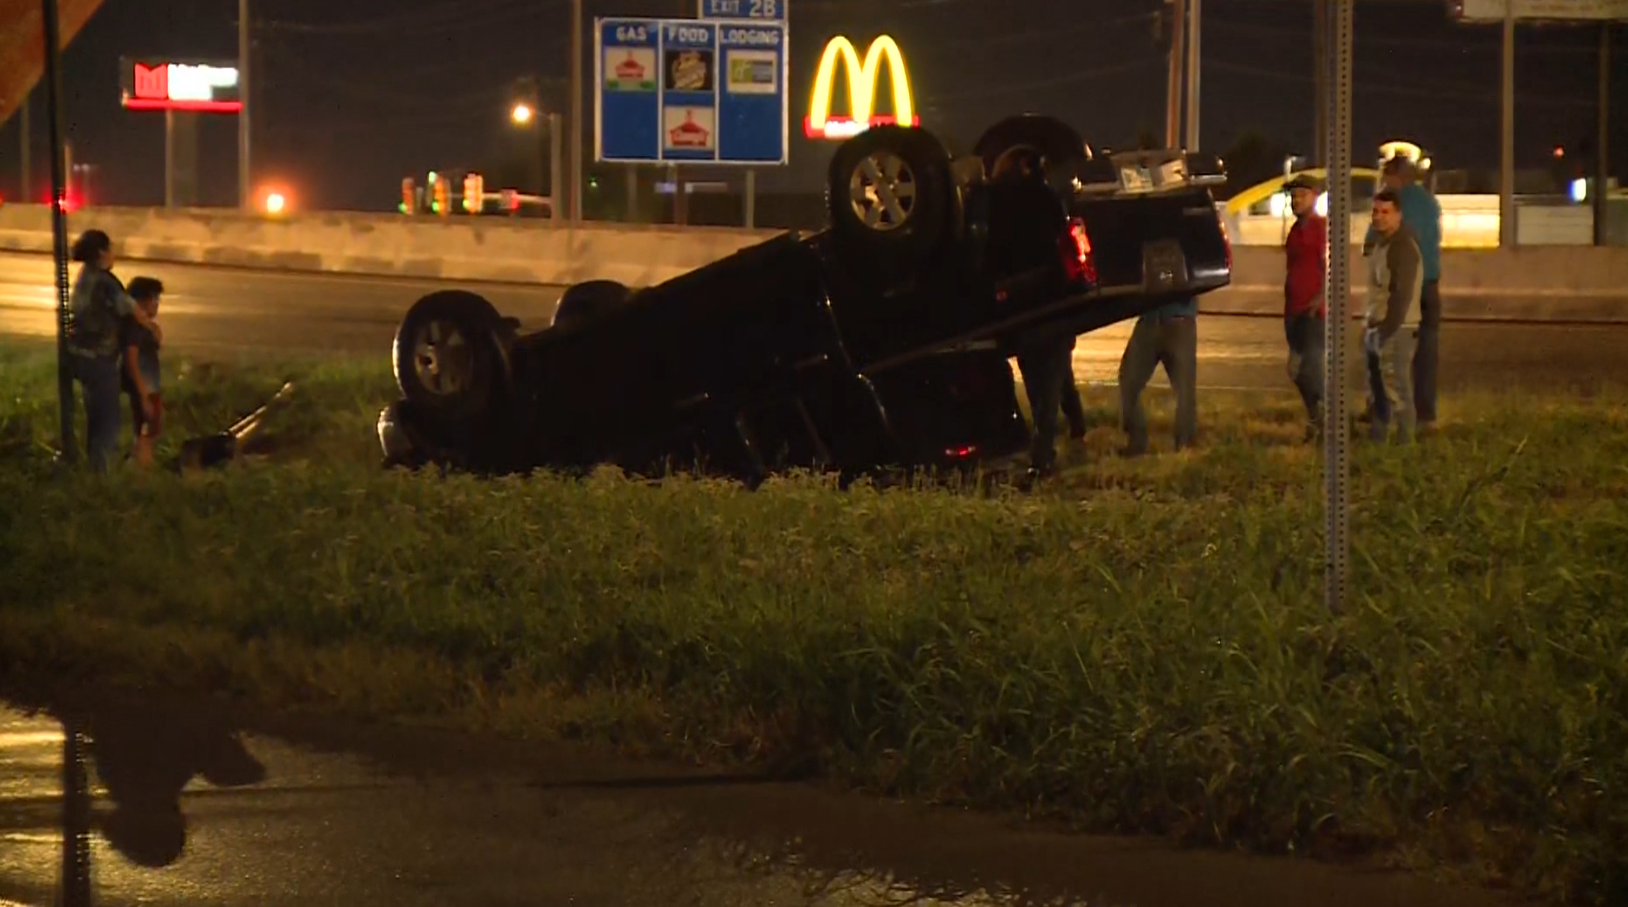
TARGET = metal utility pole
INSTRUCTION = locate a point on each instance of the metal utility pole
(76, 818)
(59, 220)
(555, 161)
(244, 188)
(575, 195)
(1506, 167)
(1320, 72)
(1172, 117)
(1336, 433)
(24, 152)
(1194, 30)
(169, 159)
(1602, 143)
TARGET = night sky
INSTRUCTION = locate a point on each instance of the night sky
(352, 95)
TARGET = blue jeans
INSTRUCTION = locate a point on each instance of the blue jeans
(1390, 381)
(98, 380)
(1306, 348)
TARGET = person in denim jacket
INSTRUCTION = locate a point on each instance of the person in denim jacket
(97, 309)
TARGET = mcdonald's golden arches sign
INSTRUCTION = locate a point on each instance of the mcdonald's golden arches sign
(863, 78)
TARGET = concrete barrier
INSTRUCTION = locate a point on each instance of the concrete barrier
(473, 249)
(1538, 283)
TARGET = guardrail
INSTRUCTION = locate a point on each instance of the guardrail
(1535, 283)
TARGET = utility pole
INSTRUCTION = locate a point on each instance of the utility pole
(59, 245)
(1194, 30)
(244, 189)
(1602, 142)
(1506, 167)
(24, 188)
(575, 195)
(1172, 118)
(1336, 436)
(1320, 80)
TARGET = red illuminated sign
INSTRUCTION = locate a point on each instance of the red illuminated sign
(188, 86)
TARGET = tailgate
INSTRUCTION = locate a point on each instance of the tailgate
(1152, 222)
(1159, 243)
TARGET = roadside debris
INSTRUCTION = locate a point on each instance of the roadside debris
(210, 451)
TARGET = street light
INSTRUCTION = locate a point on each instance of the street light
(522, 114)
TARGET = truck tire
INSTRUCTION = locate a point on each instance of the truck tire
(584, 299)
(891, 196)
(1058, 146)
(449, 357)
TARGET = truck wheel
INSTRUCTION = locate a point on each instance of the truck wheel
(584, 299)
(890, 193)
(1055, 145)
(448, 356)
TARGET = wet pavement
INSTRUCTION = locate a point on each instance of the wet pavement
(229, 311)
(194, 803)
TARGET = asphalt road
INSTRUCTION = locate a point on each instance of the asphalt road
(227, 311)
(307, 815)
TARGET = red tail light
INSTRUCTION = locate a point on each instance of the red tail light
(68, 203)
(963, 452)
(1075, 247)
(1226, 238)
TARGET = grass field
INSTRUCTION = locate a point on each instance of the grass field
(1142, 647)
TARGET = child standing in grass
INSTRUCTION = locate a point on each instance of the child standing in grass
(139, 370)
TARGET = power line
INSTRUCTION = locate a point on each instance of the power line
(1281, 34)
(1417, 91)
(1074, 78)
(399, 94)
(471, 14)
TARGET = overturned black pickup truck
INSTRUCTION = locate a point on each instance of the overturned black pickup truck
(879, 343)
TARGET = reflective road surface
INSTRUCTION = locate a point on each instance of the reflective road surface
(229, 311)
(304, 813)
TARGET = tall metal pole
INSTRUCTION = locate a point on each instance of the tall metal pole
(76, 889)
(1320, 72)
(575, 195)
(169, 159)
(244, 189)
(1602, 142)
(1172, 117)
(59, 221)
(555, 165)
(1194, 31)
(25, 150)
(1506, 165)
(1336, 434)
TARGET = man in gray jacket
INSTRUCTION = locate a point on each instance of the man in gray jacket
(1395, 280)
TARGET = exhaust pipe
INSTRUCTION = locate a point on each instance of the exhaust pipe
(211, 451)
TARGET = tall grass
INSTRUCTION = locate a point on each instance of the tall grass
(1143, 647)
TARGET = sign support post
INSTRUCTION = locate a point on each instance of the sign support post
(59, 224)
(1602, 143)
(244, 188)
(169, 159)
(1508, 12)
(751, 199)
(1506, 141)
(25, 151)
(1336, 424)
(1172, 117)
(1194, 30)
(556, 166)
(574, 195)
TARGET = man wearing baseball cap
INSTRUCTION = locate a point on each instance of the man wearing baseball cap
(1421, 213)
(1305, 303)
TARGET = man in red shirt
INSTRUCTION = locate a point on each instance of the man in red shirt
(1305, 306)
